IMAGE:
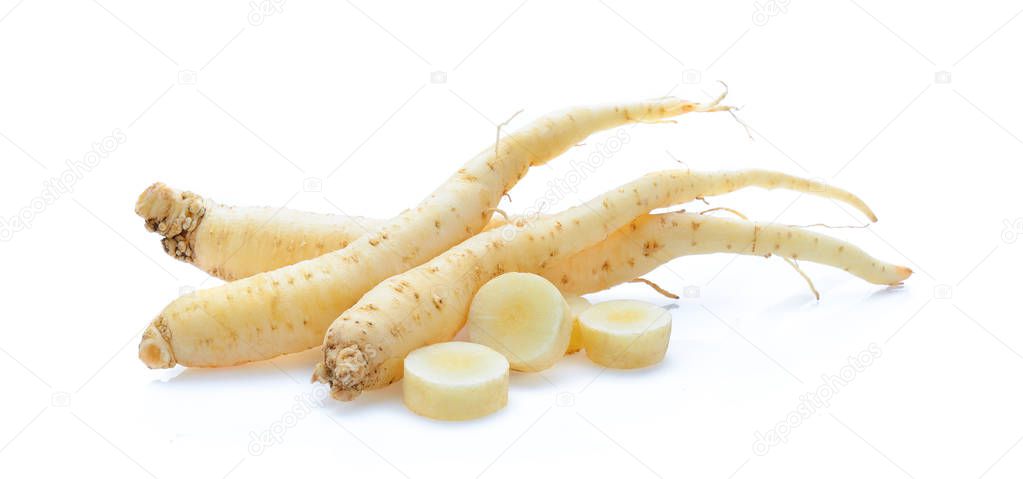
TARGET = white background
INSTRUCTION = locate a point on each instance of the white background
(209, 98)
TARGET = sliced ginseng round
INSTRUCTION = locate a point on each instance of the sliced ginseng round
(625, 334)
(455, 381)
(524, 317)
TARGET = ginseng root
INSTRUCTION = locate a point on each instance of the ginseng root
(234, 242)
(365, 346)
(285, 310)
(652, 240)
(229, 243)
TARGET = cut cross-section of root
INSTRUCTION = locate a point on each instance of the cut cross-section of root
(576, 306)
(625, 334)
(524, 317)
(455, 381)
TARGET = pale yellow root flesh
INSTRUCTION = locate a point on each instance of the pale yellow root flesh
(576, 306)
(365, 346)
(285, 310)
(625, 334)
(524, 317)
(455, 381)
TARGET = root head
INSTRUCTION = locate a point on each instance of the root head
(174, 215)
(155, 350)
(344, 369)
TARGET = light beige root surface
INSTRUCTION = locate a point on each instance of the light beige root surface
(652, 240)
(234, 242)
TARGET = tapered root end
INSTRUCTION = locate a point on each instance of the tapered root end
(155, 351)
(714, 105)
(174, 214)
(825, 190)
(869, 214)
(670, 106)
(687, 107)
(903, 273)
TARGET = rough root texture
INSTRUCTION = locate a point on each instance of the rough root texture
(155, 350)
(174, 215)
(345, 371)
